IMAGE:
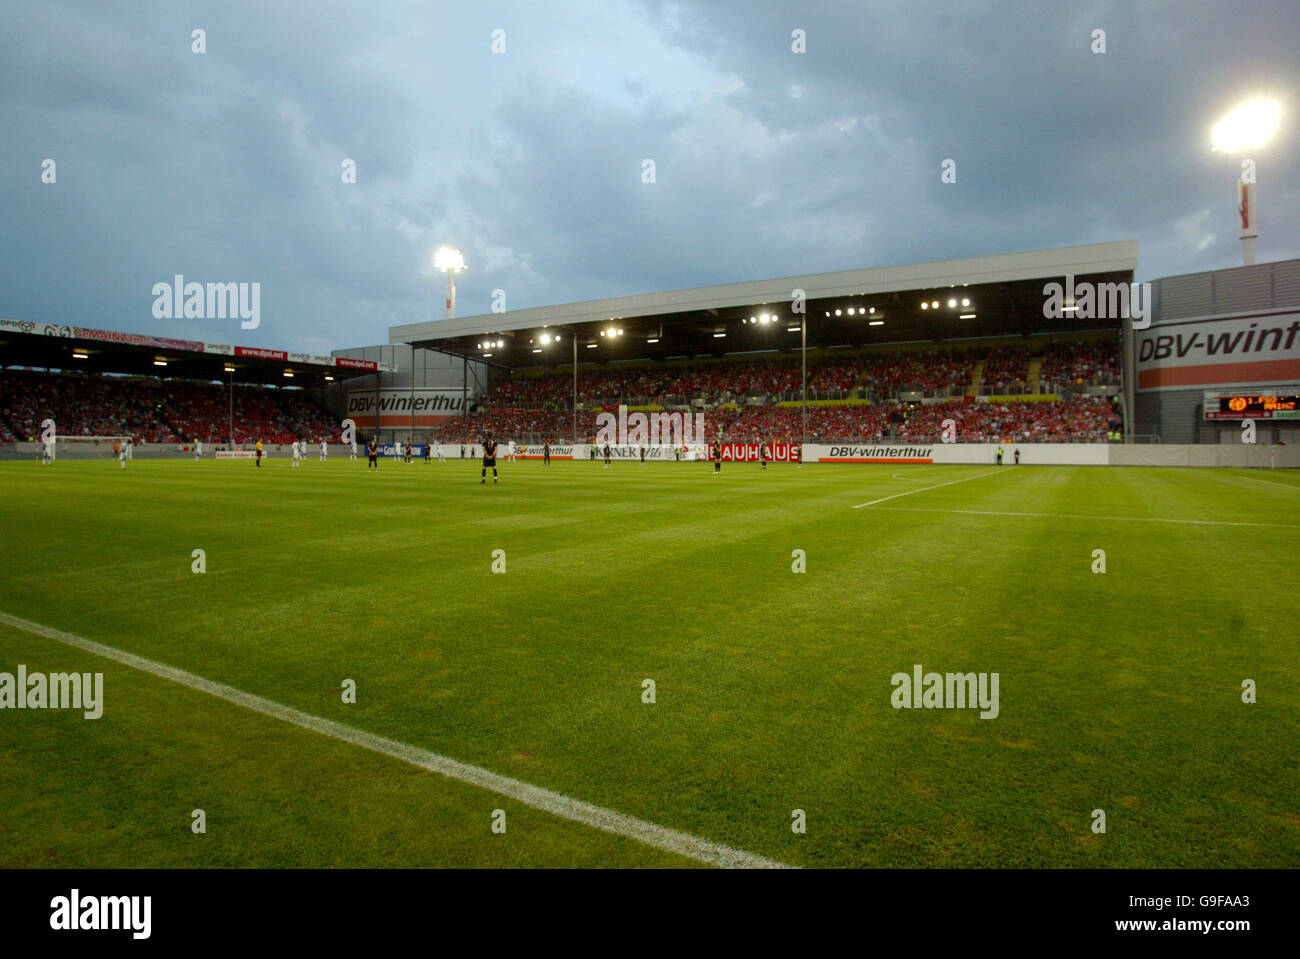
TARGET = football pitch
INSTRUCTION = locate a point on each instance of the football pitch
(504, 635)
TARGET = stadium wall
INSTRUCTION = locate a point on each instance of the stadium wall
(157, 451)
(1242, 455)
(1066, 454)
(1239, 455)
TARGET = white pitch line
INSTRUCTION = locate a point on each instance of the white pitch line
(924, 489)
(1255, 479)
(643, 831)
(1130, 519)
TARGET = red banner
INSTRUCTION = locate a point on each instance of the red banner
(160, 342)
(351, 364)
(749, 452)
(261, 354)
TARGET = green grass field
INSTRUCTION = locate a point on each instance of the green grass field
(1119, 691)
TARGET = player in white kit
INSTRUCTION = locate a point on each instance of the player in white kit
(297, 454)
(324, 451)
(198, 450)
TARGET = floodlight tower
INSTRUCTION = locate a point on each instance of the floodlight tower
(452, 262)
(1243, 130)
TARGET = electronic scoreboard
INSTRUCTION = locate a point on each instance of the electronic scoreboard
(1242, 406)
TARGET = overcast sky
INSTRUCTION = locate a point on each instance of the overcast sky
(226, 166)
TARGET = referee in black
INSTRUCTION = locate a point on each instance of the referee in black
(489, 458)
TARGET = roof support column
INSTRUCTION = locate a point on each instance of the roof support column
(803, 359)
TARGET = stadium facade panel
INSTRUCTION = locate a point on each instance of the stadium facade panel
(1223, 347)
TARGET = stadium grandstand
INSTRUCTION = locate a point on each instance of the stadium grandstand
(870, 355)
(163, 394)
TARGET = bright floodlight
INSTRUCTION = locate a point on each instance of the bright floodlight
(1248, 127)
(449, 259)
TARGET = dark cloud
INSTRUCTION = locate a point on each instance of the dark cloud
(226, 166)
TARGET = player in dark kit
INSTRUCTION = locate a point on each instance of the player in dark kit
(372, 451)
(763, 453)
(546, 453)
(606, 454)
(717, 457)
(489, 458)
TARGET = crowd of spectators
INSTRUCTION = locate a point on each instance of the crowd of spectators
(931, 372)
(1078, 420)
(1006, 370)
(1074, 364)
(156, 411)
(81, 405)
(1087, 419)
(714, 382)
(834, 377)
(826, 424)
(530, 408)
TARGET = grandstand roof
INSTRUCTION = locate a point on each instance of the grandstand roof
(1006, 294)
(55, 346)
